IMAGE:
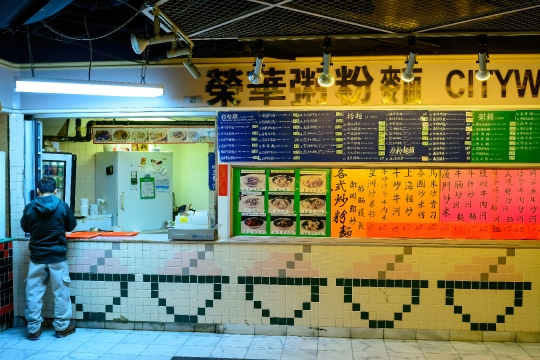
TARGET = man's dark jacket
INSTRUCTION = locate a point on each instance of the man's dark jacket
(47, 218)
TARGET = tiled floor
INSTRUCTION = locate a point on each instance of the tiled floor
(156, 345)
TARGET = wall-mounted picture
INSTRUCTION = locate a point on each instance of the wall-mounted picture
(313, 225)
(251, 202)
(253, 180)
(283, 225)
(313, 182)
(281, 203)
(281, 180)
(312, 204)
(253, 224)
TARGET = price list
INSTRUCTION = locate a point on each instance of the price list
(276, 140)
(493, 138)
(362, 140)
(527, 142)
(407, 136)
(316, 134)
(449, 137)
(238, 136)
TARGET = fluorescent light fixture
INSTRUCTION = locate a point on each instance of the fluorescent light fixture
(483, 73)
(326, 79)
(408, 74)
(86, 87)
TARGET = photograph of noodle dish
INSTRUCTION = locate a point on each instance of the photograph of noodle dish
(251, 180)
(312, 224)
(254, 222)
(251, 201)
(281, 202)
(312, 181)
(177, 135)
(282, 180)
(283, 223)
(313, 204)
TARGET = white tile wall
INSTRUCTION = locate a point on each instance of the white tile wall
(16, 172)
(4, 146)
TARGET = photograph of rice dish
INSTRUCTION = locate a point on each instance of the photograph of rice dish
(194, 135)
(120, 135)
(312, 181)
(139, 135)
(312, 225)
(158, 135)
(281, 202)
(254, 222)
(313, 204)
(251, 180)
(283, 223)
(102, 135)
(251, 201)
(282, 180)
(177, 135)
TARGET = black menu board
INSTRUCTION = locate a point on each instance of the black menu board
(276, 140)
(362, 140)
(407, 135)
(449, 137)
(238, 136)
(491, 136)
(315, 137)
(527, 132)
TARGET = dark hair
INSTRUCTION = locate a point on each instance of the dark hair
(46, 185)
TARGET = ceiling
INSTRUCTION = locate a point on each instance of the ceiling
(229, 28)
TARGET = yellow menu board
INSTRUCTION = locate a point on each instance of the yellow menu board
(370, 196)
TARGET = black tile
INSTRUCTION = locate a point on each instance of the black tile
(116, 277)
(364, 282)
(116, 301)
(257, 305)
(509, 310)
(347, 290)
(475, 327)
(162, 302)
(519, 285)
(381, 283)
(510, 285)
(458, 310)
(209, 303)
(449, 301)
(306, 306)
(209, 279)
(274, 321)
(323, 282)
(201, 311)
(162, 278)
(78, 307)
(398, 316)
(123, 285)
(154, 294)
(193, 319)
(217, 295)
(314, 289)
(441, 284)
(389, 324)
(266, 280)
(450, 292)
(170, 278)
(458, 284)
(290, 322)
(170, 310)
(364, 315)
(518, 302)
(217, 287)
(483, 327)
(466, 318)
(109, 308)
(416, 284)
(348, 282)
(131, 277)
(381, 324)
(249, 288)
(415, 300)
(492, 286)
(290, 281)
(124, 293)
(356, 282)
(500, 319)
(527, 286)
(146, 278)
(108, 277)
(123, 277)
(249, 296)
(93, 277)
(407, 283)
(373, 282)
(273, 281)
(266, 313)
(424, 284)
(282, 321)
(347, 299)
(185, 279)
(518, 294)
(340, 282)
(407, 308)
(101, 277)
(415, 292)
(492, 327)
(256, 281)
(373, 324)
(390, 283)
(467, 285)
(154, 286)
(249, 280)
(297, 281)
(298, 314)
(282, 281)
(306, 281)
(501, 285)
(355, 307)
(314, 298)
(398, 283)
(475, 285)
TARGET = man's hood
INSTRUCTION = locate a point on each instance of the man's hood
(46, 204)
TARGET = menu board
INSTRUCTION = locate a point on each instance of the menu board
(491, 136)
(449, 136)
(527, 130)
(281, 202)
(238, 135)
(364, 136)
(407, 135)
(275, 136)
(153, 135)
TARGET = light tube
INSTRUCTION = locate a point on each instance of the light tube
(86, 87)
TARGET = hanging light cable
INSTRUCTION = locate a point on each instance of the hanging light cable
(483, 58)
(408, 75)
(256, 76)
(326, 79)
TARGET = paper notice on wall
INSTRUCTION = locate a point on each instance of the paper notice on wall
(163, 185)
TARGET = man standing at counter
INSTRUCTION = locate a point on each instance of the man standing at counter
(47, 218)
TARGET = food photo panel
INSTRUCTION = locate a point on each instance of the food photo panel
(281, 203)
(312, 204)
(282, 225)
(253, 224)
(313, 225)
(251, 202)
(253, 180)
(313, 181)
(281, 180)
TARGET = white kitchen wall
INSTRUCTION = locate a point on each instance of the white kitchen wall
(190, 173)
(4, 146)
(16, 172)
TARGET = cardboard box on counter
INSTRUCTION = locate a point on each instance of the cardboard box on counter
(198, 219)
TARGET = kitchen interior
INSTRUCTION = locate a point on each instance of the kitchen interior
(134, 177)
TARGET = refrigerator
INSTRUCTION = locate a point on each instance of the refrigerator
(137, 187)
(62, 167)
